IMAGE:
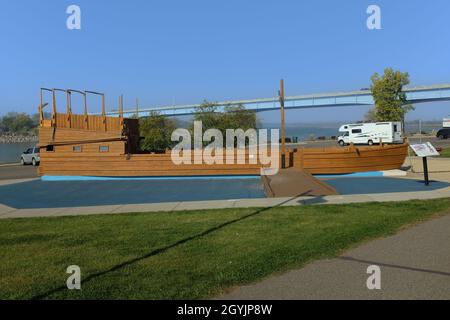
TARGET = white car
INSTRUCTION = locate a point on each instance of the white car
(31, 156)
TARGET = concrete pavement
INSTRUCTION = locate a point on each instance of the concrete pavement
(16, 171)
(414, 264)
(9, 212)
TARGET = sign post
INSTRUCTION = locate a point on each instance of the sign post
(425, 171)
(424, 151)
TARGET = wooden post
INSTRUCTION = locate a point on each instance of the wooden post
(69, 108)
(86, 117)
(41, 111)
(283, 132)
(104, 111)
(54, 108)
(121, 110)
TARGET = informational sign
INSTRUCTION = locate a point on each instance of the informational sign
(425, 150)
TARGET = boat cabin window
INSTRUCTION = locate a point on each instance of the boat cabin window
(77, 149)
(49, 149)
(356, 131)
(104, 148)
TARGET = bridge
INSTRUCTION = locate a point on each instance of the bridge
(414, 95)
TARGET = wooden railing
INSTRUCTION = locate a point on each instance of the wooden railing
(85, 121)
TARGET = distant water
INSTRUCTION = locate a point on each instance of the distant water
(10, 152)
(303, 132)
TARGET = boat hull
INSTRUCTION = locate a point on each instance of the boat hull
(351, 159)
(108, 147)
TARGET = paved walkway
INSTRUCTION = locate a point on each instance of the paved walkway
(415, 264)
(9, 212)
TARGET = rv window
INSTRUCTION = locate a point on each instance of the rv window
(77, 149)
(356, 131)
(104, 149)
(395, 128)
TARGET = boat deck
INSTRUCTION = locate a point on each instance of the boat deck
(293, 182)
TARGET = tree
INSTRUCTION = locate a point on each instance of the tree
(208, 115)
(390, 100)
(156, 131)
(232, 117)
(19, 123)
(371, 115)
(237, 117)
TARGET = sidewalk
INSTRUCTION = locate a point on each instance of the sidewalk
(8, 212)
(415, 264)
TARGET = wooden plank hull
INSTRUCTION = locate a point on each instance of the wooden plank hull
(351, 159)
(314, 161)
(104, 146)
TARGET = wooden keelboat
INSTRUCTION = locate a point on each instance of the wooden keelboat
(351, 159)
(102, 146)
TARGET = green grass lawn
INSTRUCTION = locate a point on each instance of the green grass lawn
(445, 153)
(195, 254)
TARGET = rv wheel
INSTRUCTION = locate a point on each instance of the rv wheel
(341, 143)
(22, 162)
(33, 162)
(370, 143)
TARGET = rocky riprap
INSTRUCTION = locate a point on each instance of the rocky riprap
(13, 138)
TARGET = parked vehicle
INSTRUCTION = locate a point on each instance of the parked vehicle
(443, 133)
(371, 133)
(446, 123)
(31, 156)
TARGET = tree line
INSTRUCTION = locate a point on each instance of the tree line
(156, 130)
(19, 123)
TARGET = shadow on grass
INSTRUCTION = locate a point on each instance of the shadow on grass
(166, 248)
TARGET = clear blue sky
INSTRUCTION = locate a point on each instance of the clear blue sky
(182, 52)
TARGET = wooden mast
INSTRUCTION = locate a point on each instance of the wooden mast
(104, 111)
(41, 110)
(54, 111)
(103, 107)
(86, 117)
(53, 107)
(69, 108)
(121, 110)
(42, 106)
(283, 132)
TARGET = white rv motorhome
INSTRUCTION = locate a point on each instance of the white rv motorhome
(370, 133)
(446, 123)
